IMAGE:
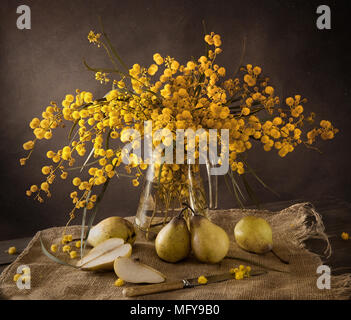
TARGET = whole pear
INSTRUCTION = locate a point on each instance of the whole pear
(210, 243)
(254, 234)
(112, 227)
(172, 243)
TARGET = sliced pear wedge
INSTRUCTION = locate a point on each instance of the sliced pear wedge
(105, 261)
(134, 271)
(101, 249)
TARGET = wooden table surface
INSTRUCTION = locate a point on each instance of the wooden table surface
(336, 216)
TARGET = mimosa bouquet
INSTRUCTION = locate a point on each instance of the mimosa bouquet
(162, 100)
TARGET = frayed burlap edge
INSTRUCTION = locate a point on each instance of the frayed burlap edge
(22, 254)
(341, 284)
(309, 225)
(6, 271)
(309, 229)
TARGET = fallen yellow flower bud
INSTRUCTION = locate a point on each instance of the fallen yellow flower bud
(66, 248)
(12, 250)
(345, 236)
(202, 280)
(16, 277)
(119, 282)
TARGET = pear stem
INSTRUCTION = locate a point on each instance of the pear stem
(181, 212)
(188, 207)
(280, 259)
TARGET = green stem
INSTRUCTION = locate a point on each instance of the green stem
(110, 45)
(256, 264)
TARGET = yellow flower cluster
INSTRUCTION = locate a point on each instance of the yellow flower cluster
(102, 77)
(241, 272)
(194, 95)
(94, 38)
(65, 247)
(326, 132)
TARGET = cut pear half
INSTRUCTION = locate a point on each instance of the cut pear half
(101, 249)
(134, 271)
(105, 261)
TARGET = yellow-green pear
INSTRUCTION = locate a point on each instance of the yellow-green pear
(210, 243)
(254, 234)
(112, 227)
(172, 243)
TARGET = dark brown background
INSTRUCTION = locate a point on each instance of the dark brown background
(45, 63)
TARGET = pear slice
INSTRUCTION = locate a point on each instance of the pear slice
(134, 271)
(106, 260)
(101, 249)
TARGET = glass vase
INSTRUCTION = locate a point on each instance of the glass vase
(212, 186)
(165, 189)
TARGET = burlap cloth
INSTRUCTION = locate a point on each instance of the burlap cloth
(291, 227)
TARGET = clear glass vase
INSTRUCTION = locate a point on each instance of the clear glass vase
(165, 189)
(212, 186)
